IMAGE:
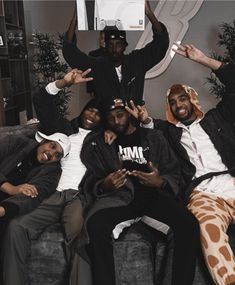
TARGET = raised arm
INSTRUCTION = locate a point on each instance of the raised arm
(72, 27)
(195, 54)
(74, 76)
(225, 72)
(140, 113)
(45, 103)
(72, 54)
(154, 21)
(152, 53)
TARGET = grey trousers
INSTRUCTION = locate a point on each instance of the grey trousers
(64, 207)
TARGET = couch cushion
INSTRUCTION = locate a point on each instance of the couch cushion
(134, 255)
(47, 264)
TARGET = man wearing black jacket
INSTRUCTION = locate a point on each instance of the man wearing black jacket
(65, 205)
(118, 74)
(29, 171)
(205, 146)
(137, 175)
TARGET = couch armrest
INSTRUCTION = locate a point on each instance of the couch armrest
(25, 130)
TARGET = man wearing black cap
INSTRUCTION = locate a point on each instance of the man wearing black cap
(119, 74)
(65, 204)
(136, 175)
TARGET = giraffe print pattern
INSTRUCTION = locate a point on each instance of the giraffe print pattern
(214, 215)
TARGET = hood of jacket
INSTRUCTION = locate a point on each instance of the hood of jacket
(77, 122)
(193, 96)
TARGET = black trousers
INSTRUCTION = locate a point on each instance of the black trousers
(151, 203)
(11, 211)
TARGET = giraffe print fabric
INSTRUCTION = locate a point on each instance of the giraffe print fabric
(214, 215)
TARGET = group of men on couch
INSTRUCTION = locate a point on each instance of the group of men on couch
(118, 164)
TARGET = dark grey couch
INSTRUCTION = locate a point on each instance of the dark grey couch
(142, 255)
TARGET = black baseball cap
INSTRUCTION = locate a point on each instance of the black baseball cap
(112, 104)
(115, 35)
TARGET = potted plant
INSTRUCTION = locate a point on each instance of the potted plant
(47, 65)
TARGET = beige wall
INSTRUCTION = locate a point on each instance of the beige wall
(54, 16)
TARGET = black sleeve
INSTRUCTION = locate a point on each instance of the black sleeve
(18, 204)
(45, 179)
(226, 74)
(226, 107)
(98, 159)
(9, 146)
(166, 162)
(154, 51)
(76, 58)
(90, 84)
(48, 114)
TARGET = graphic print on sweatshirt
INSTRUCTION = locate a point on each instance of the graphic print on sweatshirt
(130, 152)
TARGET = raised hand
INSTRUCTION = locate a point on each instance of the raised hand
(195, 54)
(149, 179)
(138, 112)
(189, 51)
(74, 76)
(115, 180)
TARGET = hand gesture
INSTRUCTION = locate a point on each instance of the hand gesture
(109, 137)
(138, 112)
(149, 179)
(26, 189)
(189, 51)
(115, 180)
(76, 76)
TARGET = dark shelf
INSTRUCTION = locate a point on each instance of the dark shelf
(14, 70)
(17, 59)
(13, 26)
(4, 57)
(10, 108)
(21, 93)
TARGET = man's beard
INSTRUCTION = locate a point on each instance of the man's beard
(120, 131)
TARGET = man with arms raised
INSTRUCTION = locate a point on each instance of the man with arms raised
(118, 74)
(204, 143)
